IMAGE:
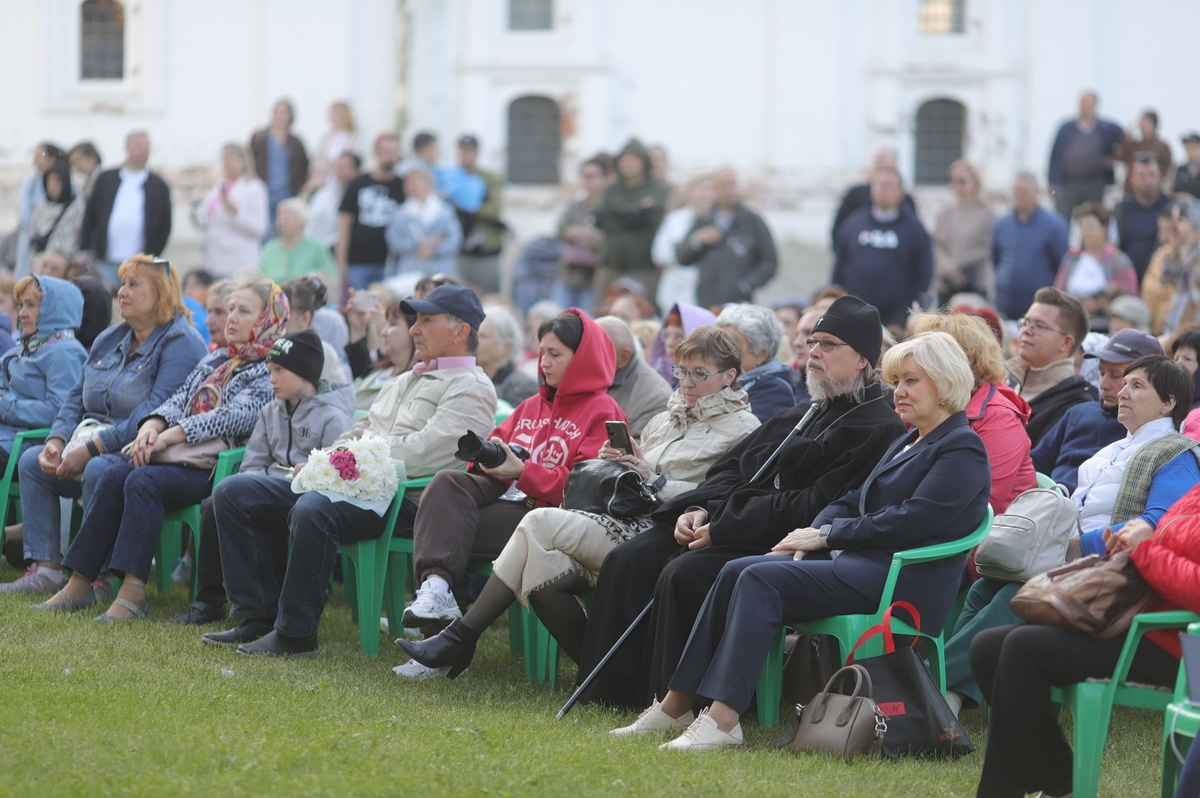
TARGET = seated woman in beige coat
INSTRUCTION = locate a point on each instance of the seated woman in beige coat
(555, 554)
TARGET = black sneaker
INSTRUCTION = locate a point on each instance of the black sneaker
(246, 632)
(200, 614)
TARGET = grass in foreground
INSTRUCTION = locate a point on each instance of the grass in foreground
(145, 709)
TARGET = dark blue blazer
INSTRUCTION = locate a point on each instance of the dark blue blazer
(935, 492)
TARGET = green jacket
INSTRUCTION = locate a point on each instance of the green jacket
(630, 216)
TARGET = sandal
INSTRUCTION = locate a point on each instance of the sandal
(138, 610)
(68, 604)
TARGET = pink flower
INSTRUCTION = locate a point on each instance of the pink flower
(350, 474)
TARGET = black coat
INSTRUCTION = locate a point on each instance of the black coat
(1049, 406)
(93, 233)
(935, 492)
(744, 259)
(837, 452)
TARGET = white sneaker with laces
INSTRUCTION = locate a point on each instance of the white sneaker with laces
(432, 605)
(653, 719)
(34, 582)
(703, 735)
(418, 672)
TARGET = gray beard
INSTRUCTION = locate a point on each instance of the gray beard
(831, 388)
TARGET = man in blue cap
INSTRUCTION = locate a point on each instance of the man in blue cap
(279, 595)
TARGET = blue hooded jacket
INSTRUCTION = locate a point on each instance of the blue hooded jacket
(35, 375)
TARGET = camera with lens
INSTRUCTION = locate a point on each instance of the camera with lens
(487, 454)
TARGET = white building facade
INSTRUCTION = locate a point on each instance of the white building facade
(795, 94)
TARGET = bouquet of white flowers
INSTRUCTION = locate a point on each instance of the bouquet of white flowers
(361, 472)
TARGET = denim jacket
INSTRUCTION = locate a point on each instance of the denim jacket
(119, 387)
(247, 391)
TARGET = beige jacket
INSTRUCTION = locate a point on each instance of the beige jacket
(681, 444)
(424, 416)
(1031, 381)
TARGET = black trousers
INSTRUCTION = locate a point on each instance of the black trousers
(210, 589)
(1016, 666)
(652, 565)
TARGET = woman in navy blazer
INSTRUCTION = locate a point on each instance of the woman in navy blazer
(931, 486)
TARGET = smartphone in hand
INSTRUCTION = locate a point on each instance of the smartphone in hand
(618, 436)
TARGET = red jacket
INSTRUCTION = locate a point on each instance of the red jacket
(561, 427)
(998, 417)
(1171, 564)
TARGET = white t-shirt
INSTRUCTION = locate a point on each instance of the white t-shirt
(1088, 278)
(127, 224)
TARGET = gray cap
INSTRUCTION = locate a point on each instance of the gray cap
(1127, 346)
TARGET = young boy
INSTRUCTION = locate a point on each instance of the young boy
(303, 417)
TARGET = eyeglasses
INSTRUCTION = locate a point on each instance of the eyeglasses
(695, 375)
(1145, 158)
(166, 264)
(826, 344)
(1036, 327)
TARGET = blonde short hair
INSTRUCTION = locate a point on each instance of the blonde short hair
(942, 359)
(164, 278)
(25, 282)
(975, 337)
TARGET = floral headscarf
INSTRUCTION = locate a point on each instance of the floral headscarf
(269, 325)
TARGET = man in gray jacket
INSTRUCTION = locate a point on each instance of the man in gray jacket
(637, 388)
(731, 246)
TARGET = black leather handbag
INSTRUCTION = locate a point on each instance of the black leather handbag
(607, 487)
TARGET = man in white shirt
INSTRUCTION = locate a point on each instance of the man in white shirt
(129, 213)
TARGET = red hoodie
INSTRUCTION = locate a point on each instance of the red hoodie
(561, 427)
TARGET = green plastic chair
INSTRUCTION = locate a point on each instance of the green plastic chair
(1091, 702)
(848, 628)
(1181, 720)
(10, 489)
(170, 540)
(365, 571)
(1044, 481)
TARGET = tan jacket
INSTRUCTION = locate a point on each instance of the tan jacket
(424, 416)
(1031, 381)
(681, 444)
(642, 395)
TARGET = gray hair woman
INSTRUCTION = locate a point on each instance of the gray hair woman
(930, 486)
(499, 343)
(767, 381)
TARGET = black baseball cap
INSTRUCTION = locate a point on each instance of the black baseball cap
(468, 141)
(1191, 136)
(457, 300)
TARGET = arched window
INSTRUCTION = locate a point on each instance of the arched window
(102, 40)
(534, 140)
(530, 14)
(939, 140)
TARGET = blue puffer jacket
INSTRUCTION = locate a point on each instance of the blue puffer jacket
(36, 375)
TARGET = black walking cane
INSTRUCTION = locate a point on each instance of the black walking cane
(646, 610)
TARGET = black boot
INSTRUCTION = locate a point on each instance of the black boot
(454, 648)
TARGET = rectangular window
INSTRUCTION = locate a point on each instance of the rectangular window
(939, 17)
(531, 14)
(102, 40)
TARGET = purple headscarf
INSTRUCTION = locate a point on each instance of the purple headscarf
(692, 317)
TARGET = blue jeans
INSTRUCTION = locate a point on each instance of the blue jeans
(363, 274)
(40, 509)
(582, 298)
(125, 515)
(257, 518)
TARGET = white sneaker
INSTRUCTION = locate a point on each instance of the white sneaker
(182, 575)
(34, 582)
(704, 735)
(653, 719)
(432, 605)
(418, 672)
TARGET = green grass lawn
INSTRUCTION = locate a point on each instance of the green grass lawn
(144, 708)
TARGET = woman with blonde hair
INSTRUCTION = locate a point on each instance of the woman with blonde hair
(962, 238)
(131, 369)
(235, 215)
(995, 411)
(220, 399)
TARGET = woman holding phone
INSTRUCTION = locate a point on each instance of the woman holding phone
(555, 554)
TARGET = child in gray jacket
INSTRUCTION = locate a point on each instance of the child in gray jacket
(307, 414)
